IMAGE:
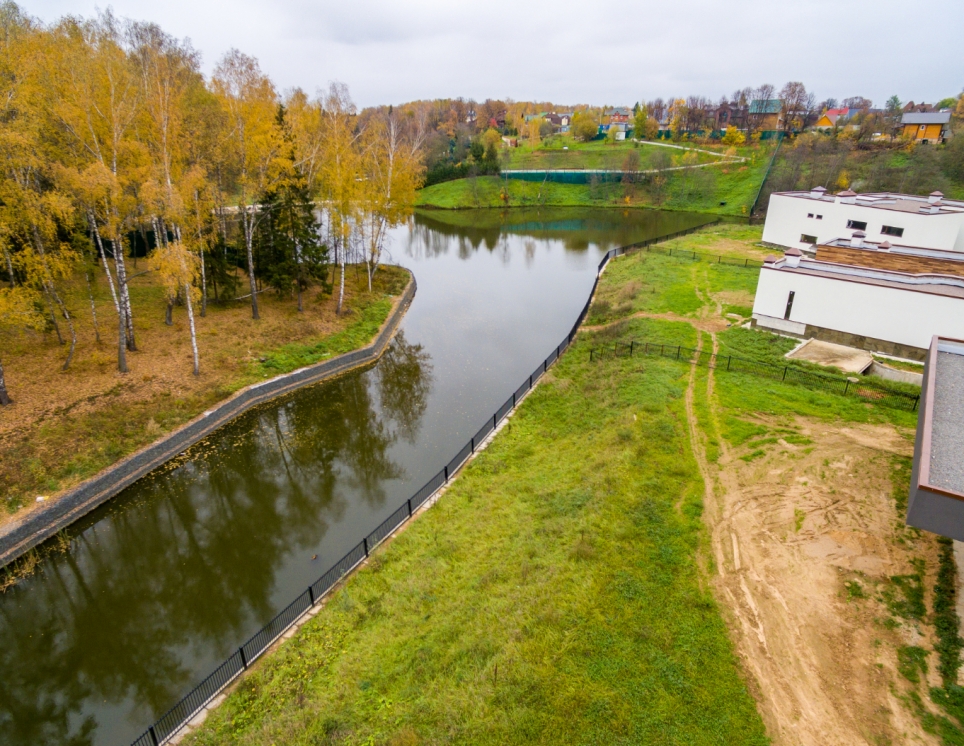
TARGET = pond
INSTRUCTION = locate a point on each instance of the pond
(162, 583)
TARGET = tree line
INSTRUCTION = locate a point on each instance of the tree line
(111, 138)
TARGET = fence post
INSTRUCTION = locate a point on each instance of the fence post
(494, 423)
(847, 387)
(590, 360)
(729, 360)
(784, 373)
(153, 736)
(530, 377)
(631, 343)
(472, 445)
(916, 402)
(513, 398)
(409, 503)
(365, 540)
(244, 658)
(311, 595)
(678, 348)
(746, 262)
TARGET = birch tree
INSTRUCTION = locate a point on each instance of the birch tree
(339, 175)
(250, 100)
(391, 174)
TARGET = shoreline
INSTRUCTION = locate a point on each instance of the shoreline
(20, 536)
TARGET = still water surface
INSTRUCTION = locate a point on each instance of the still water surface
(166, 580)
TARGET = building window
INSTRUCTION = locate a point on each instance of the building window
(809, 214)
(786, 313)
(819, 217)
(857, 225)
(808, 239)
(889, 230)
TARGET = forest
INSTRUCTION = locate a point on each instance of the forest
(115, 146)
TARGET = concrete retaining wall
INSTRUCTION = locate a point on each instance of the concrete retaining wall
(895, 374)
(18, 537)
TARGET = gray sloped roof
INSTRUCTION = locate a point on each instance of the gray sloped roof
(936, 117)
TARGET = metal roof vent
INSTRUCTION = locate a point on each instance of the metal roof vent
(847, 198)
(857, 239)
(935, 197)
(817, 192)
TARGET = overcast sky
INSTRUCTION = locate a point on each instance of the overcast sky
(391, 51)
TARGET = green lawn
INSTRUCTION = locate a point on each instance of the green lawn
(724, 190)
(559, 152)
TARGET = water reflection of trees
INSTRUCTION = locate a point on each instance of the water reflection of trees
(434, 233)
(183, 565)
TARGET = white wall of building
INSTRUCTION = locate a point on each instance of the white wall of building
(787, 220)
(902, 316)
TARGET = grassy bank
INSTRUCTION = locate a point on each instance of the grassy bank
(565, 152)
(67, 426)
(553, 595)
(727, 189)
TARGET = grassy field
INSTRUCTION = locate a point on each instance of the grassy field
(553, 595)
(66, 426)
(564, 152)
(728, 189)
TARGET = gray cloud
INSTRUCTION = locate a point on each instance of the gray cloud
(570, 52)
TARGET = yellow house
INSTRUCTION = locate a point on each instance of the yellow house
(925, 127)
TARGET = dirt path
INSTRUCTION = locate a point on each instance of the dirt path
(788, 529)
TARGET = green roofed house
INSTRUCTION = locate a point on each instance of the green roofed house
(766, 114)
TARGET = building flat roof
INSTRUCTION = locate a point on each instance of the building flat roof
(935, 284)
(947, 420)
(910, 203)
(844, 243)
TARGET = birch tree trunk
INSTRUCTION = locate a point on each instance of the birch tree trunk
(190, 320)
(4, 397)
(125, 296)
(249, 245)
(121, 341)
(6, 256)
(204, 287)
(341, 288)
(93, 308)
(103, 258)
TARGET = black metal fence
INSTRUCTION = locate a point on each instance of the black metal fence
(175, 718)
(861, 388)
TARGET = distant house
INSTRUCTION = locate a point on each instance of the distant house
(925, 127)
(729, 115)
(834, 118)
(766, 114)
(619, 115)
(470, 117)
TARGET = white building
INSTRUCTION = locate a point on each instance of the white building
(802, 219)
(858, 292)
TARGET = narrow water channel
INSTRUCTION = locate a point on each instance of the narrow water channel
(166, 580)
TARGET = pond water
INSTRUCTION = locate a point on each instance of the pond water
(163, 582)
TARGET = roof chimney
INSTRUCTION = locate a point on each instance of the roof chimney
(857, 239)
(935, 197)
(817, 192)
(770, 259)
(792, 257)
(847, 198)
(885, 246)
